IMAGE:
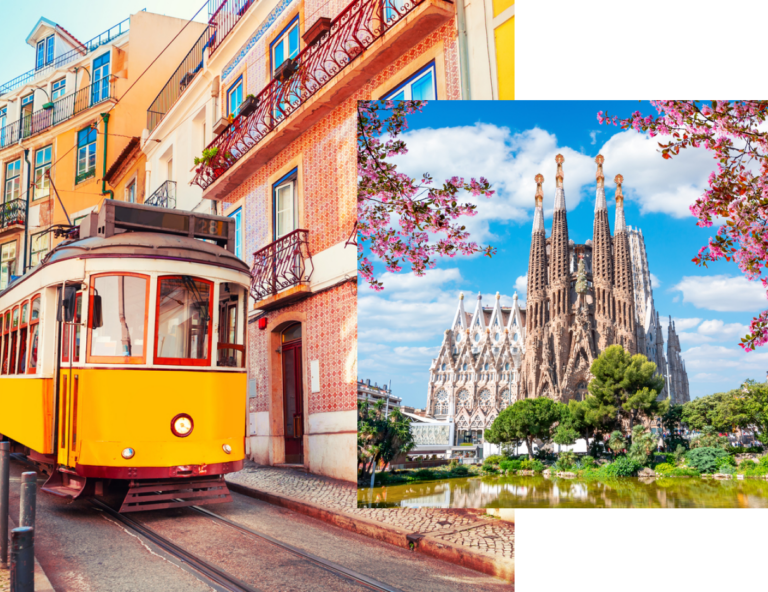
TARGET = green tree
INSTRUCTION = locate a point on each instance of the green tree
(711, 410)
(380, 437)
(625, 387)
(526, 420)
(617, 442)
(643, 445)
(590, 419)
(750, 408)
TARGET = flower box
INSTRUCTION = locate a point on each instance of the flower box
(316, 31)
(248, 106)
(285, 70)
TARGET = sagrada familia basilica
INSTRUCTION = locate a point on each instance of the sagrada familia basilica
(581, 298)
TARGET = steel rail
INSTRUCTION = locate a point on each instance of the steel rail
(209, 573)
(330, 566)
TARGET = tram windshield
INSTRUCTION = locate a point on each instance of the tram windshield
(183, 321)
(121, 335)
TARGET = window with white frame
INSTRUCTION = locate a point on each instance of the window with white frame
(235, 96)
(40, 245)
(284, 196)
(58, 89)
(3, 118)
(130, 191)
(237, 215)
(86, 154)
(7, 263)
(42, 187)
(100, 88)
(419, 87)
(12, 180)
(44, 52)
(286, 45)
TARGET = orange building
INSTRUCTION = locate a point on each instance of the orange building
(64, 124)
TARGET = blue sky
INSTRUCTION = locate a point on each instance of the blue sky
(85, 20)
(400, 329)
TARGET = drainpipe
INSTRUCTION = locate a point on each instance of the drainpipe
(104, 190)
(463, 50)
(26, 211)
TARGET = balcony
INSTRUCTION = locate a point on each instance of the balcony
(279, 275)
(370, 33)
(70, 56)
(223, 15)
(61, 110)
(12, 213)
(179, 81)
(164, 196)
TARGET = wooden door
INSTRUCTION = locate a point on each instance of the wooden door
(293, 403)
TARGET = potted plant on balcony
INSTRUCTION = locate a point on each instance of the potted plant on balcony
(248, 106)
(205, 160)
(285, 70)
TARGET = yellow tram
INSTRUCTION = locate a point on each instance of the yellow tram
(123, 358)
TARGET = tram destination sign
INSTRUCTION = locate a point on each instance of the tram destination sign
(116, 217)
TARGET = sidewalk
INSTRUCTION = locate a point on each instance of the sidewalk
(465, 537)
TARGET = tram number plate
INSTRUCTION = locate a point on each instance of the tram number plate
(213, 227)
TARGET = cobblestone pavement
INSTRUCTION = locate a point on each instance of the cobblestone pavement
(5, 580)
(472, 529)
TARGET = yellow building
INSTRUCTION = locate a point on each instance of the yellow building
(487, 48)
(70, 120)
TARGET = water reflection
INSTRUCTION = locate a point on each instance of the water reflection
(540, 492)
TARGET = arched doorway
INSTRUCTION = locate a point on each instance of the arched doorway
(293, 396)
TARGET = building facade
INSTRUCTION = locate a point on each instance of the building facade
(487, 48)
(373, 393)
(64, 124)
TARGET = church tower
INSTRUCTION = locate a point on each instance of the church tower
(624, 293)
(602, 263)
(536, 299)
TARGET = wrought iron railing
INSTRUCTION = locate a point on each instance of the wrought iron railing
(223, 16)
(281, 265)
(62, 109)
(66, 58)
(179, 81)
(12, 213)
(164, 196)
(358, 26)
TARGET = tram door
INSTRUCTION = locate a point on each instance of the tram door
(69, 379)
(293, 395)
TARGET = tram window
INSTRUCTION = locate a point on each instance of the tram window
(183, 321)
(22, 363)
(232, 326)
(34, 331)
(14, 339)
(6, 340)
(71, 329)
(122, 335)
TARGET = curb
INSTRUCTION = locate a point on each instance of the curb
(426, 544)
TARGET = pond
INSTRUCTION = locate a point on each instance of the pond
(542, 492)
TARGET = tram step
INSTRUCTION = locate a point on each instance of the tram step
(175, 493)
(65, 485)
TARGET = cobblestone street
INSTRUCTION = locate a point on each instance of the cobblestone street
(473, 530)
(5, 580)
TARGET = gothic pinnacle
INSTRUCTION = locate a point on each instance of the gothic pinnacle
(600, 203)
(560, 191)
(621, 225)
(538, 214)
(559, 159)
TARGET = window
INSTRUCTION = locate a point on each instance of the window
(58, 89)
(235, 96)
(6, 339)
(183, 321)
(42, 166)
(419, 87)
(13, 338)
(100, 88)
(286, 45)
(44, 52)
(121, 335)
(12, 180)
(34, 332)
(7, 263)
(130, 192)
(71, 329)
(86, 154)
(284, 194)
(40, 245)
(394, 10)
(232, 326)
(237, 215)
(3, 117)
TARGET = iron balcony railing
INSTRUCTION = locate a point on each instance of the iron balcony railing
(12, 213)
(179, 81)
(357, 27)
(281, 265)
(164, 196)
(63, 108)
(223, 16)
(70, 56)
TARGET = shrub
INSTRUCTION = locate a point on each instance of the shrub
(726, 469)
(421, 474)
(664, 468)
(747, 465)
(494, 459)
(763, 461)
(453, 464)
(684, 472)
(728, 460)
(616, 442)
(623, 466)
(532, 465)
(460, 470)
(510, 465)
(706, 459)
(566, 461)
(710, 439)
(643, 445)
(587, 462)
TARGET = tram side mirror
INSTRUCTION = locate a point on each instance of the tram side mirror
(96, 320)
(67, 310)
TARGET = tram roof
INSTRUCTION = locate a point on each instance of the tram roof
(140, 245)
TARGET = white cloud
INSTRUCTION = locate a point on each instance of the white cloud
(521, 285)
(723, 293)
(655, 282)
(658, 185)
(683, 324)
(409, 286)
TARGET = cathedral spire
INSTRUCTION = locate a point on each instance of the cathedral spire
(537, 263)
(621, 225)
(559, 269)
(600, 201)
(602, 255)
(538, 214)
(460, 318)
(560, 191)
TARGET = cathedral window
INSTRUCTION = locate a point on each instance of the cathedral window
(458, 337)
(505, 400)
(486, 401)
(463, 399)
(441, 408)
(497, 337)
(515, 337)
(443, 367)
(464, 367)
(485, 367)
(477, 337)
(506, 366)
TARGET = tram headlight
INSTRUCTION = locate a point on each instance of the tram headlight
(227, 448)
(128, 453)
(182, 425)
